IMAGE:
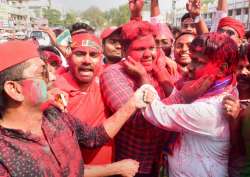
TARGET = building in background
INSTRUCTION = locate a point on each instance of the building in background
(21, 15)
(238, 9)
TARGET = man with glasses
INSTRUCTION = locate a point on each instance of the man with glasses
(36, 143)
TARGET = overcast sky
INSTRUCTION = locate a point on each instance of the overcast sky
(103, 4)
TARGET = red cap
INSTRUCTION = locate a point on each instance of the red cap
(81, 40)
(16, 51)
(233, 23)
(110, 30)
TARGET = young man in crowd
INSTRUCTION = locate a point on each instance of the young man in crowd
(137, 139)
(85, 101)
(46, 143)
(202, 148)
(182, 52)
(239, 114)
(188, 24)
(111, 42)
(232, 27)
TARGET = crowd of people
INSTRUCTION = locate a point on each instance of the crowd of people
(139, 97)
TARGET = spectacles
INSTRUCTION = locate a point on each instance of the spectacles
(228, 31)
(44, 75)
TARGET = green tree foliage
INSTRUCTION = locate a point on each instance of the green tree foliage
(53, 16)
(95, 16)
(118, 16)
(70, 18)
(207, 1)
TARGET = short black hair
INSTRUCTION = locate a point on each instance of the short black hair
(81, 26)
(49, 48)
(11, 74)
(185, 16)
(182, 34)
(247, 35)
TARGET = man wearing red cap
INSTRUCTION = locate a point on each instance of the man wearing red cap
(81, 82)
(111, 43)
(36, 143)
(234, 28)
(138, 139)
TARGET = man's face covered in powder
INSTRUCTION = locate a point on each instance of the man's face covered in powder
(143, 50)
(34, 86)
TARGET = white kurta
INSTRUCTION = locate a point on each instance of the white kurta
(204, 136)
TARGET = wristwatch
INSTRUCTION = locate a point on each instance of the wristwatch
(197, 19)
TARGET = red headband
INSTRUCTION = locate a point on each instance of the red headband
(233, 23)
(15, 52)
(85, 40)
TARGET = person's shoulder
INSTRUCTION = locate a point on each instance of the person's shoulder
(52, 113)
(113, 68)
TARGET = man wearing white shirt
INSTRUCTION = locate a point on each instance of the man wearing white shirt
(202, 147)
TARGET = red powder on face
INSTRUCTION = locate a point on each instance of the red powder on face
(208, 69)
(144, 51)
(35, 91)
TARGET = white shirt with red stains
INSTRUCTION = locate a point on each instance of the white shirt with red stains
(204, 140)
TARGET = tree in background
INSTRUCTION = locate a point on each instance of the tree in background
(70, 18)
(208, 1)
(118, 16)
(95, 16)
(53, 16)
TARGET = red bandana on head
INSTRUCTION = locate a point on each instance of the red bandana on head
(85, 40)
(136, 29)
(233, 23)
(15, 52)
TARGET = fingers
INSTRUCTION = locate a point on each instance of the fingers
(201, 85)
(148, 96)
(131, 60)
(231, 106)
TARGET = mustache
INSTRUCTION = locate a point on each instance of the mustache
(89, 67)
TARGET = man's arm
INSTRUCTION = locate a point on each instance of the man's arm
(198, 117)
(222, 5)
(3, 171)
(194, 9)
(115, 88)
(94, 137)
(127, 168)
(155, 9)
(135, 7)
(219, 14)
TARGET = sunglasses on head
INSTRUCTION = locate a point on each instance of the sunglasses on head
(228, 31)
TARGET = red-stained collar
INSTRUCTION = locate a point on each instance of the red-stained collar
(67, 83)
